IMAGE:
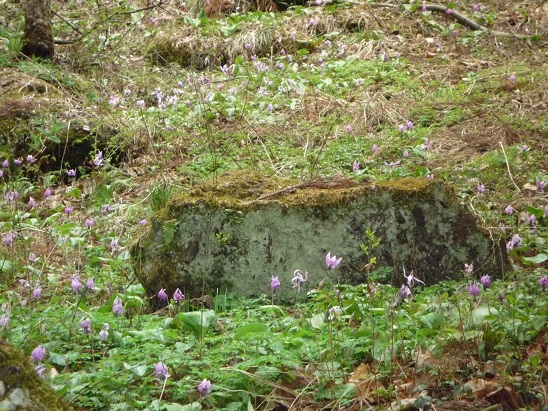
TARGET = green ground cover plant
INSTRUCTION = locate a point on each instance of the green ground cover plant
(315, 92)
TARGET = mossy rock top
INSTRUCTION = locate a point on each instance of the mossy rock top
(244, 190)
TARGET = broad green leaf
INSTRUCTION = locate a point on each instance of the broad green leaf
(5, 265)
(183, 347)
(57, 359)
(317, 320)
(479, 314)
(274, 308)
(251, 330)
(198, 321)
(537, 259)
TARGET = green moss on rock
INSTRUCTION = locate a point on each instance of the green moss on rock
(23, 388)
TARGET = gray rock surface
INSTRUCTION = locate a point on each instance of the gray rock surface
(241, 229)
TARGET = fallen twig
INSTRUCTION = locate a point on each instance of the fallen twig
(461, 18)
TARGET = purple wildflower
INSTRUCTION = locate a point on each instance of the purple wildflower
(69, 209)
(89, 222)
(31, 203)
(11, 196)
(90, 284)
(543, 282)
(114, 244)
(402, 127)
(509, 210)
(4, 320)
(275, 283)
(37, 293)
(406, 153)
(33, 258)
(86, 325)
(204, 388)
(18, 161)
(75, 283)
(71, 173)
(540, 185)
(161, 370)
(105, 209)
(512, 78)
(6, 163)
(143, 221)
(162, 295)
(103, 334)
(481, 188)
(404, 293)
(178, 295)
(299, 279)
(30, 159)
(474, 290)
(374, 149)
(485, 280)
(38, 354)
(332, 262)
(40, 370)
(355, 166)
(117, 307)
(409, 124)
(47, 192)
(532, 220)
(348, 128)
(98, 160)
(411, 279)
(516, 240)
(8, 238)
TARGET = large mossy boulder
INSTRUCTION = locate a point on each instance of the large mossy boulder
(21, 388)
(240, 229)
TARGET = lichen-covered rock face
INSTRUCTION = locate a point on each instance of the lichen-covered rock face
(20, 386)
(241, 229)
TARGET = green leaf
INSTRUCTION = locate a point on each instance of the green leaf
(269, 373)
(479, 314)
(198, 321)
(251, 330)
(139, 370)
(183, 347)
(169, 228)
(317, 321)
(537, 259)
(5, 266)
(274, 308)
(57, 359)
(54, 138)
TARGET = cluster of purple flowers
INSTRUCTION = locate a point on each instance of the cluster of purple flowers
(162, 372)
(406, 126)
(177, 295)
